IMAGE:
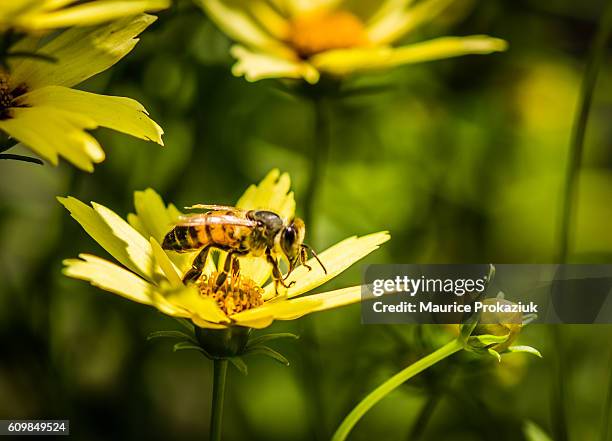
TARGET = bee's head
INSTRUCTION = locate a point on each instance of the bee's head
(291, 240)
(293, 246)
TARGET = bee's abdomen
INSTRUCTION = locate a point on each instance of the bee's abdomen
(182, 238)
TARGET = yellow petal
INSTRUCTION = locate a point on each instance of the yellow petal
(234, 20)
(347, 61)
(88, 14)
(110, 277)
(336, 259)
(272, 193)
(114, 235)
(335, 299)
(165, 263)
(122, 114)
(269, 19)
(298, 7)
(80, 53)
(255, 66)
(204, 308)
(51, 132)
(154, 219)
(282, 310)
(398, 20)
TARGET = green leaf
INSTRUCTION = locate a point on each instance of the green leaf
(534, 433)
(239, 364)
(269, 352)
(269, 337)
(525, 349)
(172, 334)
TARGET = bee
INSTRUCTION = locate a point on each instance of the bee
(240, 232)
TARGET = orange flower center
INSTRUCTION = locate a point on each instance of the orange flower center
(322, 31)
(234, 294)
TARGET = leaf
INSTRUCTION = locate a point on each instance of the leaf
(269, 337)
(172, 334)
(269, 352)
(239, 364)
(525, 349)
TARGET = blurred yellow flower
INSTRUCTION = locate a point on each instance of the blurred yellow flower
(151, 276)
(307, 38)
(39, 109)
(42, 15)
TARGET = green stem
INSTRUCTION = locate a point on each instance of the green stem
(392, 383)
(570, 194)
(216, 416)
(605, 423)
(318, 160)
(574, 163)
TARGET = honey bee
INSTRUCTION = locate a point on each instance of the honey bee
(240, 233)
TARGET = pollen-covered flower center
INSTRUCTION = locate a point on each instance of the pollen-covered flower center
(235, 294)
(322, 31)
(8, 95)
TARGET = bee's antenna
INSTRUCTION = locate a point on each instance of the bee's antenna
(315, 256)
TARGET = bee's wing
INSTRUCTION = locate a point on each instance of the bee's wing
(214, 219)
(214, 207)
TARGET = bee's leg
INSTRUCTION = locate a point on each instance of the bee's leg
(276, 273)
(194, 273)
(231, 266)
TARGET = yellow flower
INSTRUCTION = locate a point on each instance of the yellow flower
(307, 38)
(43, 15)
(151, 276)
(39, 109)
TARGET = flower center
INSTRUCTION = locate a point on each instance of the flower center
(7, 96)
(235, 294)
(322, 31)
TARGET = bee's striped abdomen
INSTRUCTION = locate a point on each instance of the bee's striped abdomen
(182, 238)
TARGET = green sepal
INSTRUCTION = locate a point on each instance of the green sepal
(186, 324)
(239, 364)
(269, 352)
(482, 341)
(269, 337)
(467, 328)
(172, 334)
(526, 349)
(493, 353)
(188, 346)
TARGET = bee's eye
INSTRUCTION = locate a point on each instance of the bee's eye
(288, 239)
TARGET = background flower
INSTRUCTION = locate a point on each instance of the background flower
(42, 15)
(39, 109)
(304, 39)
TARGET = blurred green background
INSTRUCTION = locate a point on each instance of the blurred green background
(461, 160)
